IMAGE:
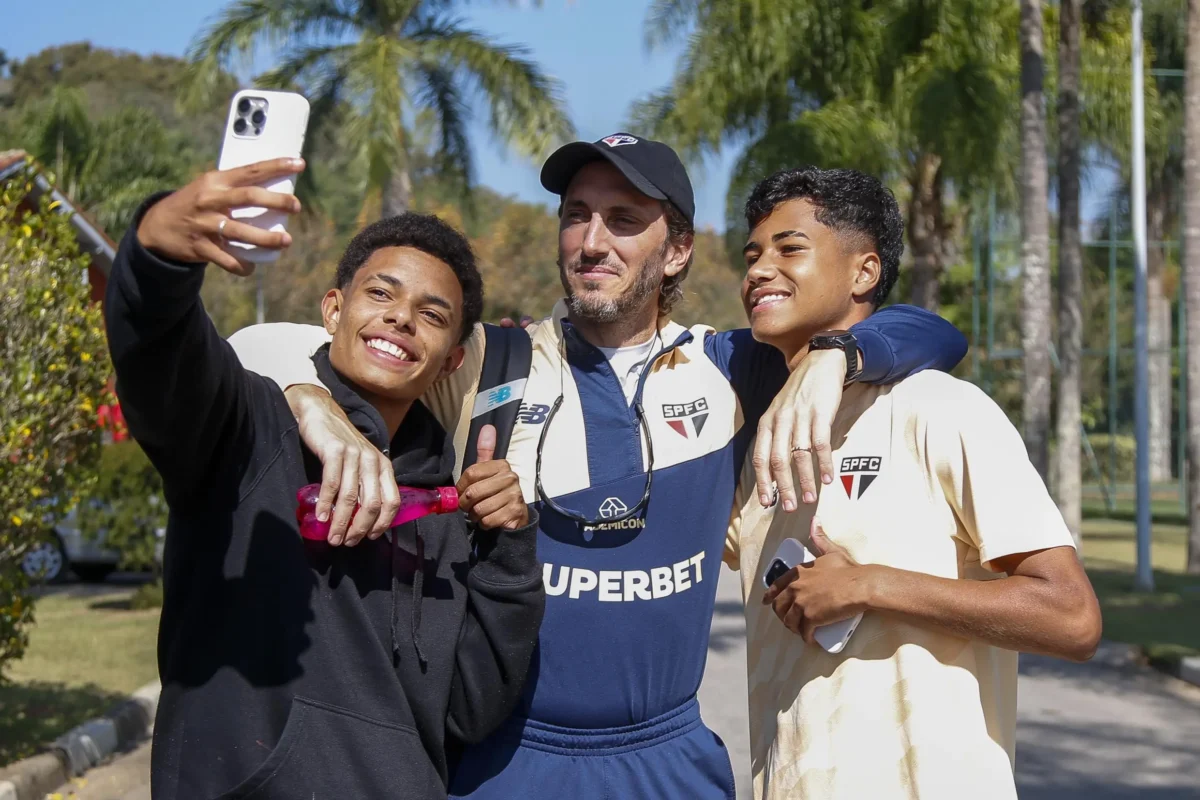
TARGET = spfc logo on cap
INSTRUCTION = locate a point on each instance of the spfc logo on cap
(858, 473)
(618, 139)
(680, 415)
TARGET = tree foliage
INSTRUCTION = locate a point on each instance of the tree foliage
(108, 165)
(54, 378)
(373, 68)
(126, 505)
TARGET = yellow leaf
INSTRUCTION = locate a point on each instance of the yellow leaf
(16, 520)
(28, 231)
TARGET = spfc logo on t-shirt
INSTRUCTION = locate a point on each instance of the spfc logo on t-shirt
(858, 473)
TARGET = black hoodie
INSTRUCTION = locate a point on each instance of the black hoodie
(291, 668)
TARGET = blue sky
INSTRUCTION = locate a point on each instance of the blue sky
(595, 48)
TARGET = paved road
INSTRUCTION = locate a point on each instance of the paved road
(1105, 730)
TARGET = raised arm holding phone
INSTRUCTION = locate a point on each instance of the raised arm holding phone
(290, 667)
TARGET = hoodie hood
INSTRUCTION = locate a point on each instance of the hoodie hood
(422, 452)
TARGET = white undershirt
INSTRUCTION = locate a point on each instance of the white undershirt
(628, 362)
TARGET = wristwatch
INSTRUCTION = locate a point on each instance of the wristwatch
(839, 340)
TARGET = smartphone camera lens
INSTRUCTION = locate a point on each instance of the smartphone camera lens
(778, 570)
(239, 126)
(258, 118)
(244, 106)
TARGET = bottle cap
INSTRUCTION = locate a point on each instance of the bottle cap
(447, 499)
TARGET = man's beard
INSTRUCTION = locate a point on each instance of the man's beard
(610, 310)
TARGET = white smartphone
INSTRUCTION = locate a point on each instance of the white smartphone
(263, 125)
(792, 553)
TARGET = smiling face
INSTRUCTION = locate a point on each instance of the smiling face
(613, 249)
(396, 326)
(803, 277)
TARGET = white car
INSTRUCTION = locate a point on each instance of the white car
(68, 550)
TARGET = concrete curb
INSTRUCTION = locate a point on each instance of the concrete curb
(1189, 670)
(83, 747)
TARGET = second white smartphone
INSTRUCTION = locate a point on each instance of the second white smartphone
(792, 553)
(263, 125)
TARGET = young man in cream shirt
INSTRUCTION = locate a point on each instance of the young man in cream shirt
(935, 527)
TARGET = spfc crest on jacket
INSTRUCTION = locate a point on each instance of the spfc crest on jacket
(679, 415)
(858, 473)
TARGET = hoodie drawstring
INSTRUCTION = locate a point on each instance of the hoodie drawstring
(418, 591)
(395, 596)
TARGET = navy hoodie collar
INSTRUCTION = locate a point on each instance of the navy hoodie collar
(421, 451)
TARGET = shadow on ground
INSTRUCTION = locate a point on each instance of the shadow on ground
(34, 714)
(1106, 730)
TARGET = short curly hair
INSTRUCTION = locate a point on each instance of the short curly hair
(848, 202)
(428, 234)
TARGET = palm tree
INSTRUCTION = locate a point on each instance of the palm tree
(914, 91)
(1070, 267)
(1191, 167)
(375, 66)
(107, 166)
(1035, 240)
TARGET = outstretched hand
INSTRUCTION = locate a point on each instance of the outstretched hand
(194, 225)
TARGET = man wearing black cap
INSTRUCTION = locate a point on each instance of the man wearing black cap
(629, 440)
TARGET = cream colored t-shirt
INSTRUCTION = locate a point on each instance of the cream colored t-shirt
(930, 476)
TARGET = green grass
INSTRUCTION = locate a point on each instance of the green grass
(1164, 623)
(85, 654)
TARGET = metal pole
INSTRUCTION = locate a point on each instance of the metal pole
(1112, 348)
(1144, 578)
(1185, 483)
(260, 307)
(1181, 360)
(976, 256)
(991, 289)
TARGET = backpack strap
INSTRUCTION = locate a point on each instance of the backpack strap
(507, 357)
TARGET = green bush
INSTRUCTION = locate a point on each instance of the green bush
(55, 370)
(127, 505)
(1125, 448)
(149, 595)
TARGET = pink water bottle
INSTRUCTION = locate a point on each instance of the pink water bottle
(414, 503)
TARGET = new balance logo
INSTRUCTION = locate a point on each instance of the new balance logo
(497, 396)
(677, 415)
(858, 473)
(532, 413)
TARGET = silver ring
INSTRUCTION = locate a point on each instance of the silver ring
(221, 228)
(801, 449)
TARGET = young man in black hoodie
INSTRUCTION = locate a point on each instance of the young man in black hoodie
(290, 668)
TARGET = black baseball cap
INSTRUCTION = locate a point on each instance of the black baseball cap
(653, 167)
